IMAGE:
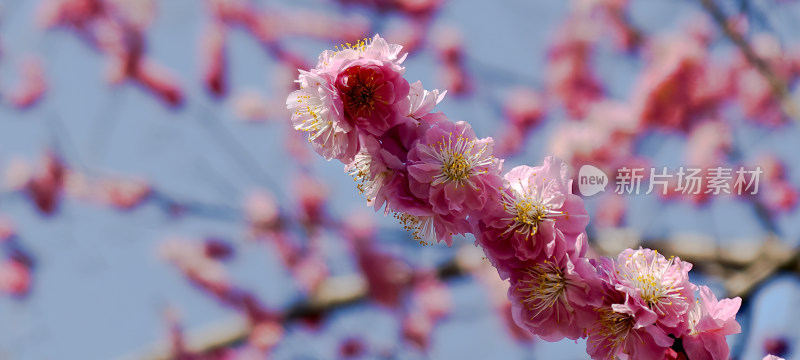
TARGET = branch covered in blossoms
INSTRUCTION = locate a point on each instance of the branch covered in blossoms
(439, 179)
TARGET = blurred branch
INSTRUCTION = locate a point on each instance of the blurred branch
(778, 86)
(334, 293)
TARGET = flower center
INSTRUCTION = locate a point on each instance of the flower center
(460, 159)
(361, 91)
(613, 327)
(543, 286)
(457, 168)
(656, 289)
(527, 211)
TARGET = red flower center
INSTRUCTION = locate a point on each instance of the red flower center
(360, 88)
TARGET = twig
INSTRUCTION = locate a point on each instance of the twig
(779, 87)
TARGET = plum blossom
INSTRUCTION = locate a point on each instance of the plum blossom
(539, 196)
(709, 322)
(369, 170)
(376, 49)
(622, 325)
(433, 228)
(661, 284)
(453, 170)
(372, 93)
(554, 297)
(536, 210)
(536, 202)
(15, 278)
(438, 179)
(318, 110)
(420, 102)
(620, 329)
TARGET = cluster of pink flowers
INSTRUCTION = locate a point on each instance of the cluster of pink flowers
(439, 179)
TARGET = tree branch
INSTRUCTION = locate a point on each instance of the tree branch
(778, 86)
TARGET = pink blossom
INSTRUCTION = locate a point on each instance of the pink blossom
(709, 322)
(15, 278)
(661, 285)
(430, 228)
(386, 275)
(371, 169)
(431, 296)
(417, 329)
(310, 271)
(262, 213)
(430, 301)
(554, 297)
(570, 75)
(623, 326)
(679, 85)
(312, 197)
(32, 85)
(265, 336)
(420, 102)
(372, 93)
(753, 91)
(358, 226)
(453, 170)
(536, 202)
(455, 78)
(318, 110)
(524, 108)
(449, 46)
(779, 196)
(375, 51)
(75, 13)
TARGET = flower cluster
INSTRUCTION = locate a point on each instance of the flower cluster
(439, 179)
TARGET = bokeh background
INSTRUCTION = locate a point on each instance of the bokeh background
(155, 202)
